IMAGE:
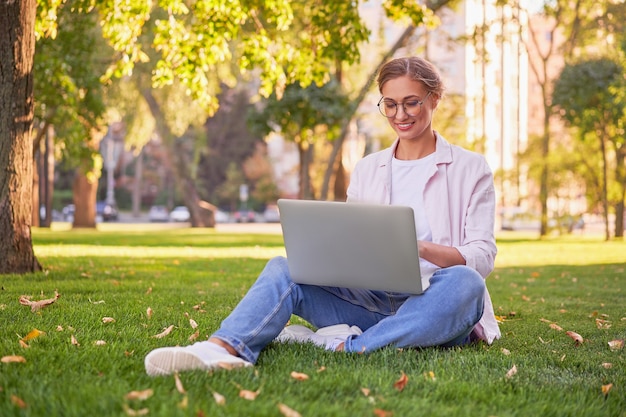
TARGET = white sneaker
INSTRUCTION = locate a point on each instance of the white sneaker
(199, 356)
(327, 337)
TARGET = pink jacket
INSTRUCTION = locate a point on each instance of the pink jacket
(459, 201)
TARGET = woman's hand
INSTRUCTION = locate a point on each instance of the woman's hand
(440, 255)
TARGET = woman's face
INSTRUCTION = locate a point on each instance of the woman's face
(412, 121)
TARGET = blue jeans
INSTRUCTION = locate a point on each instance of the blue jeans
(444, 315)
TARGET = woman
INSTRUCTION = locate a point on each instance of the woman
(451, 191)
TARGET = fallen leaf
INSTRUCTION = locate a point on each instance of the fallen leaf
(59, 328)
(33, 334)
(577, 338)
(219, 398)
(617, 344)
(193, 323)
(164, 332)
(74, 341)
(149, 290)
(18, 402)
(249, 395)
(401, 382)
(13, 359)
(430, 375)
(133, 413)
(545, 320)
(287, 411)
(607, 365)
(108, 320)
(100, 343)
(511, 372)
(506, 352)
(184, 403)
(382, 413)
(603, 324)
(366, 391)
(194, 336)
(606, 388)
(179, 384)
(37, 305)
(149, 312)
(299, 376)
(140, 395)
(23, 344)
(321, 369)
(556, 327)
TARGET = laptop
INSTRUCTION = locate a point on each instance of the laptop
(352, 245)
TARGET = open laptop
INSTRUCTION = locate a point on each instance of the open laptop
(353, 245)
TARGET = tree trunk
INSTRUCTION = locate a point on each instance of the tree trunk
(17, 49)
(85, 194)
(201, 212)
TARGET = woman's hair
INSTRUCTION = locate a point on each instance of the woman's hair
(417, 69)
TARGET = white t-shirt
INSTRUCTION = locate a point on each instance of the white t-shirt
(408, 179)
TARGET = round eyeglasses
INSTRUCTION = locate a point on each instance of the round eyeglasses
(411, 106)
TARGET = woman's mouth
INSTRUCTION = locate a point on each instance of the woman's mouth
(404, 126)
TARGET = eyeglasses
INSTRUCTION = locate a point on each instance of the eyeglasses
(411, 107)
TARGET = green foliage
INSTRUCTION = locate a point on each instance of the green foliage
(585, 93)
(69, 94)
(120, 273)
(300, 111)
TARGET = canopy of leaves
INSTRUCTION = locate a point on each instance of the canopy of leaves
(588, 93)
(301, 110)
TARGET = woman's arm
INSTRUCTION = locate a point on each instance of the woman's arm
(440, 255)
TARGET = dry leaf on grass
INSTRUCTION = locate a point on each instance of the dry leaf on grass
(164, 332)
(219, 398)
(100, 343)
(179, 384)
(193, 323)
(37, 305)
(33, 334)
(556, 327)
(378, 412)
(577, 338)
(511, 372)
(249, 395)
(18, 402)
(287, 411)
(299, 376)
(13, 359)
(140, 395)
(149, 312)
(194, 336)
(74, 341)
(106, 320)
(366, 391)
(401, 382)
(607, 365)
(617, 344)
(606, 388)
(133, 413)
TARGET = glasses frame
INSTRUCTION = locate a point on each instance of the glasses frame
(420, 102)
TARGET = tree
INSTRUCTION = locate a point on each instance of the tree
(305, 116)
(590, 95)
(17, 49)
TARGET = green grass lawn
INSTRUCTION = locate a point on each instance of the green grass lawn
(82, 366)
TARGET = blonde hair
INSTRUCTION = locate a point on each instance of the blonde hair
(417, 69)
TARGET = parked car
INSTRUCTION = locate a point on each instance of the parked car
(180, 214)
(68, 213)
(221, 216)
(271, 213)
(245, 216)
(106, 211)
(158, 214)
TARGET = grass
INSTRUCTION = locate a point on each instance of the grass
(574, 282)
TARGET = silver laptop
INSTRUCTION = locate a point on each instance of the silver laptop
(353, 245)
